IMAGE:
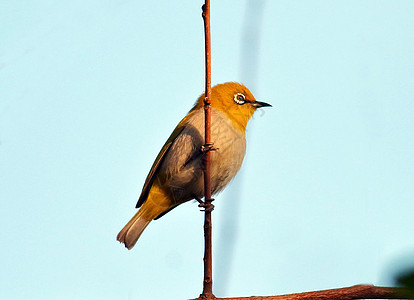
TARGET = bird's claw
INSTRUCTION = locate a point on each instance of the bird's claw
(206, 206)
(208, 147)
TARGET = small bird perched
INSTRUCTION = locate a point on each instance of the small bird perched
(177, 173)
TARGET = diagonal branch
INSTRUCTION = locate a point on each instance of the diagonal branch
(361, 291)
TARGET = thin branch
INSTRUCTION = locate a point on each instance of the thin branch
(208, 206)
(352, 292)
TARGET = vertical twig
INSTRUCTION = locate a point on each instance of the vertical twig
(208, 277)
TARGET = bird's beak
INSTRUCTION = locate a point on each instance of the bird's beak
(258, 104)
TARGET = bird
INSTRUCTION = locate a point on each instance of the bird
(176, 176)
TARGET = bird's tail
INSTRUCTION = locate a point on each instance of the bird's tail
(133, 229)
(156, 204)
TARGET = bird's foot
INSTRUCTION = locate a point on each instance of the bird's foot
(208, 147)
(205, 205)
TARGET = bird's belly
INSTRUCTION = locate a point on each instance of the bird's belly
(227, 159)
(230, 147)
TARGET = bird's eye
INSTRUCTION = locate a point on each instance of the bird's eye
(239, 98)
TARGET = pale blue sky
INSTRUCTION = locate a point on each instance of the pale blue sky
(90, 90)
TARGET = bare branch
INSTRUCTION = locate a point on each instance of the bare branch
(361, 291)
(208, 206)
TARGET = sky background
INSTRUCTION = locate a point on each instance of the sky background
(90, 91)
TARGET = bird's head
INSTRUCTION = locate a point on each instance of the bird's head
(235, 100)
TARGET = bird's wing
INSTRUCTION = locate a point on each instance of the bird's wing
(159, 161)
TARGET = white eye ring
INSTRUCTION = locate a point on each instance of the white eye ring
(239, 98)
